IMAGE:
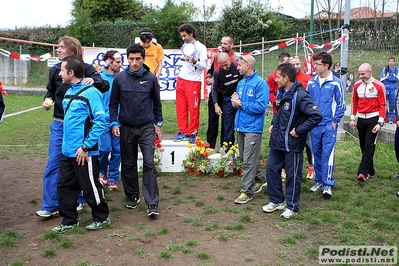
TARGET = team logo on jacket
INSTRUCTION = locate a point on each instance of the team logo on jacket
(286, 106)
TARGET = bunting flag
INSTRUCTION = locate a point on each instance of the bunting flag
(26, 57)
(334, 45)
(1, 89)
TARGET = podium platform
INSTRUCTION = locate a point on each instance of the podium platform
(173, 155)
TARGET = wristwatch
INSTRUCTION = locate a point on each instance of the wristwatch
(85, 148)
(381, 124)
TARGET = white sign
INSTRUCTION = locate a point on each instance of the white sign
(52, 61)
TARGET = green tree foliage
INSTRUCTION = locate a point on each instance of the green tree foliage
(249, 21)
(113, 10)
(82, 27)
(165, 22)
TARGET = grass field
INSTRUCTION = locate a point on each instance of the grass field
(357, 214)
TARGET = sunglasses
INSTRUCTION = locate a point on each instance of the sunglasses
(293, 57)
(243, 59)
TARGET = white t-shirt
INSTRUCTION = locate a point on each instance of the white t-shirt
(194, 72)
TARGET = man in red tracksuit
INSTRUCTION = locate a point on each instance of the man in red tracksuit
(369, 103)
(188, 86)
(271, 81)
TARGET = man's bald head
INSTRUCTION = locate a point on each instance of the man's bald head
(365, 71)
(246, 65)
(365, 67)
(224, 60)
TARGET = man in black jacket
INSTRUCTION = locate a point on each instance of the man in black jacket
(296, 116)
(55, 94)
(136, 104)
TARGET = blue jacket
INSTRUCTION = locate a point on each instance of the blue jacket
(56, 89)
(390, 76)
(329, 97)
(295, 110)
(107, 95)
(84, 120)
(138, 97)
(254, 95)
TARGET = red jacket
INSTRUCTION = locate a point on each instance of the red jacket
(273, 89)
(303, 78)
(368, 99)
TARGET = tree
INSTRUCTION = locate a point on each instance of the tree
(249, 22)
(208, 13)
(112, 10)
(165, 22)
(81, 26)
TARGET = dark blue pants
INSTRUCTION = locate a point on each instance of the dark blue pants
(293, 162)
(213, 122)
(228, 116)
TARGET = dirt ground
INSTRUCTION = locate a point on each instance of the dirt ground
(198, 225)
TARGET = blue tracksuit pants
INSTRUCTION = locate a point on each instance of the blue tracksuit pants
(51, 175)
(324, 138)
(391, 98)
(111, 164)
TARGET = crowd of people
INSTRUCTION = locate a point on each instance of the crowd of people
(102, 119)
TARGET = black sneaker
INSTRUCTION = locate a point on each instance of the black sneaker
(153, 210)
(132, 204)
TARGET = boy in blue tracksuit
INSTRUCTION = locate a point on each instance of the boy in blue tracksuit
(389, 76)
(296, 116)
(328, 93)
(250, 99)
(84, 122)
(108, 143)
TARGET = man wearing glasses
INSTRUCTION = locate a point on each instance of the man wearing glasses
(250, 99)
(328, 93)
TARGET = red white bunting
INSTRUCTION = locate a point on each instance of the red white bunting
(25, 57)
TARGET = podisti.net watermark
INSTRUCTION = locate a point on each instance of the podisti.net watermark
(358, 255)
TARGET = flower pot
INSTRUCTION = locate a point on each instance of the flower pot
(197, 172)
(220, 173)
(237, 171)
(190, 170)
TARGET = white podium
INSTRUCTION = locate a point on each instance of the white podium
(173, 156)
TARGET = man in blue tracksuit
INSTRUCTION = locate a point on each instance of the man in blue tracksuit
(389, 76)
(296, 116)
(250, 99)
(328, 93)
(84, 122)
(109, 144)
(135, 103)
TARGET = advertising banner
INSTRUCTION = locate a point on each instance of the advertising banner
(170, 70)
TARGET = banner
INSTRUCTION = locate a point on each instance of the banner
(170, 68)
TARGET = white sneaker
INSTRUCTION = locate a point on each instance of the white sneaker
(316, 187)
(327, 191)
(47, 214)
(271, 207)
(80, 207)
(287, 213)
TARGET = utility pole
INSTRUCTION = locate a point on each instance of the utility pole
(312, 21)
(344, 53)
